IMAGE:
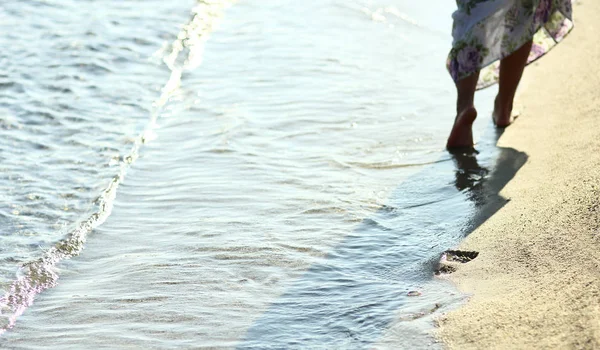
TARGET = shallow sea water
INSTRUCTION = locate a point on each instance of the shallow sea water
(218, 174)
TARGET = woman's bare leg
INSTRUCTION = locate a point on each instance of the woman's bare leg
(511, 70)
(462, 133)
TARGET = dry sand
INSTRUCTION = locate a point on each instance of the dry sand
(536, 281)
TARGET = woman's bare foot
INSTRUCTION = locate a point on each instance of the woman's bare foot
(502, 115)
(462, 132)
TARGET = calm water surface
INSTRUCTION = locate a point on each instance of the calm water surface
(252, 175)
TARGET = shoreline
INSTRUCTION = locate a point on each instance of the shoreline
(536, 280)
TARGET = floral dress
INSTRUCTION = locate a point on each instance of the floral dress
(485, 31)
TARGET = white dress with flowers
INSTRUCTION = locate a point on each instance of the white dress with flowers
(485, 31)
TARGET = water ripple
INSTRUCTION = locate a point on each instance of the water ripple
(37, 275)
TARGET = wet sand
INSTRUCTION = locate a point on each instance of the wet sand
(536, 280)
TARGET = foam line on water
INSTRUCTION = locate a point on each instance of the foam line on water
(184, 53)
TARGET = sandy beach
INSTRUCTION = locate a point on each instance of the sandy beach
(536, 281)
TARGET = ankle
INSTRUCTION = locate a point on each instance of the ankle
(503, 105)
(466, 116)
(461, 108)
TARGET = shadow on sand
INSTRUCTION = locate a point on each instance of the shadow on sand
(367, 284)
